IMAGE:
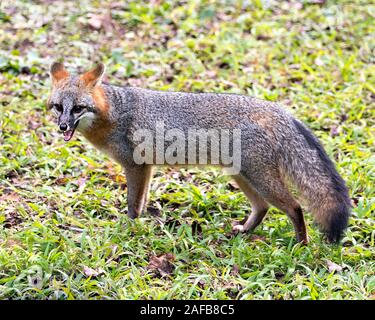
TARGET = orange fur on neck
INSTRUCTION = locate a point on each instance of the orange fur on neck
(99, 132)
(100, 100)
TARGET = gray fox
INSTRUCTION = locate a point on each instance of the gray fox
(276, 149)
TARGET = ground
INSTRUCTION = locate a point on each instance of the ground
(64, 233)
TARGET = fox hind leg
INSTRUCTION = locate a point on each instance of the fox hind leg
(258, 205)
(273, 190)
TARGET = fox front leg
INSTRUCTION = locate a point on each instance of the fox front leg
(138, 182)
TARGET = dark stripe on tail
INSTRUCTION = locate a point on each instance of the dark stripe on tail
(338, 220)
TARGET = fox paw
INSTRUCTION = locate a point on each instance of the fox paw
(238, 228)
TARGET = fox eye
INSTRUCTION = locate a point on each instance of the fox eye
(78, 108)
(58, 107)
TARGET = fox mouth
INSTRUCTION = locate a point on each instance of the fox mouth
(68, 134)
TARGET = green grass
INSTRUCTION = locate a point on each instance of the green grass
(63, 206)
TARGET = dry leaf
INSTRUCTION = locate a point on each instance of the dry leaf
(318, 61)
(334, 131)
(61, 180)
(118, 178)
(317, 1)
(89, 272)
(34, 124)
(10, 197)
(12, 219)
(255, 237)
(102, 21)
(95, 21)
(13, 243)
(333, 267)
(135, 82)
(162, 264)
(81, 181)
(235, 270)
(153, 211)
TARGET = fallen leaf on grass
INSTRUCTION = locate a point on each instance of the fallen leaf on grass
(317, 2)
(61, 180)
(201, 284)
(232, 289)
(255, 237)
(333, 267)
(118, 178)
(135, 82)
(10, 197)
(89, 272)
(101, 21)
(235, 270)
(318, 61)
(334, 131)
(162, 264)
(34, 124)
(95, 21)
(81, 181)
(153, 211)
(10, 243)
(12, 219)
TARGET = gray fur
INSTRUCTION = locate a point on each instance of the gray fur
(273, 149)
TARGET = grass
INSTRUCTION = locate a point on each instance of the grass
(64, 233)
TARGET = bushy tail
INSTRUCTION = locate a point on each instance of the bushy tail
(315, 176)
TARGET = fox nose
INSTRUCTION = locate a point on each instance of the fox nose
(63, 126)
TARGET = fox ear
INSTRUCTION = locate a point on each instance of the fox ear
(58, 72)
(94, 77)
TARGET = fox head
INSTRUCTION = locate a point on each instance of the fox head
(74, 98)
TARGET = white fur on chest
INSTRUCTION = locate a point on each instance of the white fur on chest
(86, 121)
